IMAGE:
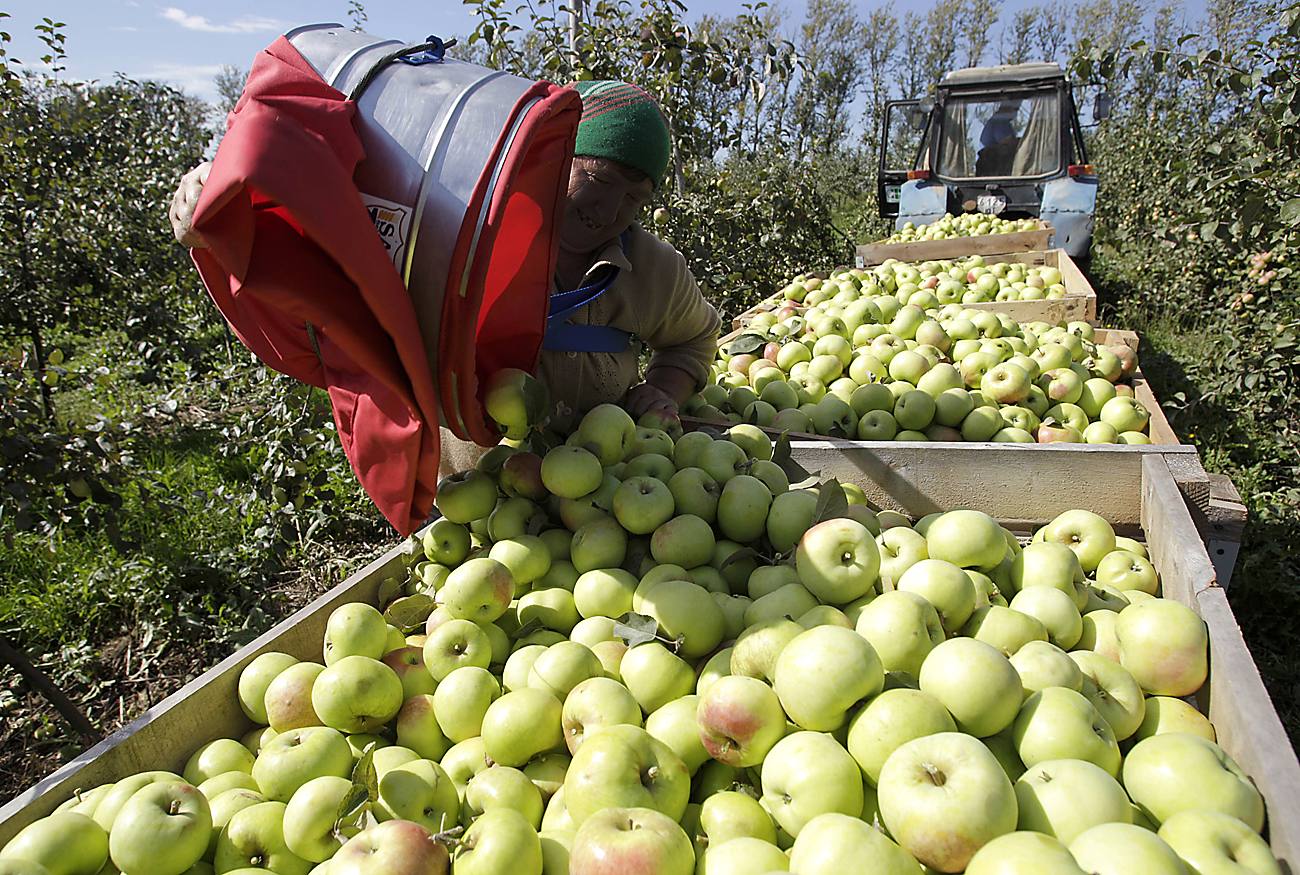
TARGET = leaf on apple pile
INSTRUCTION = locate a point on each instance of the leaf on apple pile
(781, 448)
(742, 553)
(832, 503)
(634, 629)
(712, 432)
(527, 629)
(364, 791)
(746, 343)
(410, 612)
(390, 588)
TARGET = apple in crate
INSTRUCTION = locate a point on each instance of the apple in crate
(631, 840)
(395, 847)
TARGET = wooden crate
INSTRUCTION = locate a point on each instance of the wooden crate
(1078, 305)
(1135, 491)
(1042, 237)
(1131, 490)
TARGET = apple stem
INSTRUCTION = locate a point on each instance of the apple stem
(936, 774)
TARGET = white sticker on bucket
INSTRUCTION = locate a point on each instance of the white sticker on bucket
(393, 222)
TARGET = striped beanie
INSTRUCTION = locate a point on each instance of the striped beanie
(623, 123)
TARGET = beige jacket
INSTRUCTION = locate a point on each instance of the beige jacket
(656, 299)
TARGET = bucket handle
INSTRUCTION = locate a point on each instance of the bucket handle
(431, 51)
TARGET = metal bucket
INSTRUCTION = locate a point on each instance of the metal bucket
(465, 175)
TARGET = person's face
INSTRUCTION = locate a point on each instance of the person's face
(601, 204)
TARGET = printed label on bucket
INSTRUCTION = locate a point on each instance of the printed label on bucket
(393, 222)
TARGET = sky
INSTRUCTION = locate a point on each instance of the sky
(186, 45)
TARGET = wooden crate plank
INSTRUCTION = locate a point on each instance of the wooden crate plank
(871, 254)
(1248, 726)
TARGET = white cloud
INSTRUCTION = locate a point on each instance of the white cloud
(245, 24)
(196, 79)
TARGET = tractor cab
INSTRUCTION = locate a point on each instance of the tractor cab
(1004, 141)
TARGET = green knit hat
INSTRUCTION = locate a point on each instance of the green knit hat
(623, 123)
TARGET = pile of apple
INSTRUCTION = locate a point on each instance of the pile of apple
(870, 367)
(935, 283)
(965, 225)
(646, 652)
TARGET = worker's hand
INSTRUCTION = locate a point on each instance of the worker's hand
(644, 396)
(184, 201)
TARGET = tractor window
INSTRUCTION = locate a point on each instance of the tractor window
(990, 137)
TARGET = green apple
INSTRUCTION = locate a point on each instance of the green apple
(479, 590)
(571, 471)
(742, 854)
(1175, 771)
(553, 608)
(357, 694)
(824, 672)
(944, 585)
(1055, 609)
(900, 548)
(943, 796)
(562, 667)
(675, 725)
(521, 724)
(515, 400)
(642, 504)
(1088, 534)
(967, 539)
(395, 847)
(1167, 714)
(1213, 843)
(256, 677)
(1113, 690)
(310, 817)
(466, 496)
(1056, 723)
(462, 699)
(608, 431)
(1125, 414)
(1064, 797)
(604, 592)
(62, 843)
(686, 540)
(695, 492)
(254, 838)
(216, 757)
(740, 719)
(975, 682)
(594, 704)
(1023, 852)
(686, 611)
(408, 664)
(902, 627)
(809, 773)
(287, 701)
(1113, 848)
(890, 720)
(655, 675)
(526, 556)
(599, 543)
(742, 508)
(1006, 629)
(624, 766)
(1126, 571)
(357, 629)
(422, 791)
(1042, 664)
(499, 787)
(294, 757)
(729, 814)
(838, 560)
(1165, 646)
(631, 839)
(461, 762)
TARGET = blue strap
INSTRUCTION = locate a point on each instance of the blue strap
(564, 336)
(433, 51)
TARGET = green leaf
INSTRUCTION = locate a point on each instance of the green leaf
(832, 503)
(634, 629)
(746, 343)
(410, 612)
(1290, 212)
